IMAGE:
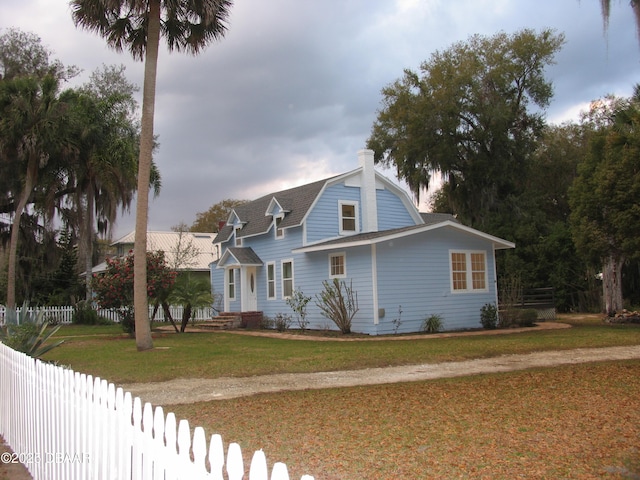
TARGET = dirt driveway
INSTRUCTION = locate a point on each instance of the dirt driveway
(191, 390)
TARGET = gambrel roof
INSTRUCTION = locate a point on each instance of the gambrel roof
(254, 217)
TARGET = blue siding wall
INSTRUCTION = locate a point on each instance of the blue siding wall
(414, 274)
(323, 220)
(392, 213)
(313, 269)
(217, 284)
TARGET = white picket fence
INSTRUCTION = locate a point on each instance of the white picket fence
(64, 315)
(69, 426)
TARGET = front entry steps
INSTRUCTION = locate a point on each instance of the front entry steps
(230, 320)
(224, 321)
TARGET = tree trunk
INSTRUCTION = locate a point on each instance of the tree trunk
(15, 235)
(167, 314)
(88, 244)
(186, 315)
(140, 299)
(612, 284)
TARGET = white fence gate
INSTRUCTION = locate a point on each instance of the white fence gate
(69, 426)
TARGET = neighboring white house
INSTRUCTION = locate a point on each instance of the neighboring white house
(363, 229)
(183, 251)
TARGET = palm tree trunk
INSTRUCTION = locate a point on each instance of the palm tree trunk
(167, 315)
(140, 299)
(15, 235)
(186, 316)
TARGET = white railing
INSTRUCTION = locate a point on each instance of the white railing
(64, 315)
(65, 425)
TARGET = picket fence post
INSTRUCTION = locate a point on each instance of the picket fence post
(235, 466)
(216, 456)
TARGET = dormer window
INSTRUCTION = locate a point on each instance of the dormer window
(348, 217)
(236, 231)
(279, 231)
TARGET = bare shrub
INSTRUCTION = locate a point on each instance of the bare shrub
(338, 302)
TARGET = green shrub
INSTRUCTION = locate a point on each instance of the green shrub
(282, 322)
(489, 316)
(267, 323)
(432, 324)
(527, 317)
(27, 332)
(84, 314)
(298, 303)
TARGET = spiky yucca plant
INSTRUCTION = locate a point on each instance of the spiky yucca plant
(28, 332)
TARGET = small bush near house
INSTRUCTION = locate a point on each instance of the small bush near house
(432, 324)
(282, 322)
(489, 316)
(398, 320)
(267, 323)
(527, 317)
(339, 303)
(298, 303)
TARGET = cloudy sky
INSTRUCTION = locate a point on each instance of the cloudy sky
(290, 94)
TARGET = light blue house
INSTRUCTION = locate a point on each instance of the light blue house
(363, 229)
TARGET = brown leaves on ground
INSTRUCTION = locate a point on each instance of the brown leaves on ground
(574, 422)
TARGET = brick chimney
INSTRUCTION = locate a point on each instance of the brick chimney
(368, 201)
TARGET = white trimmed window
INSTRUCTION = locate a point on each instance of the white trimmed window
(348, 217)
(271, 280)
(279, 231)
(287, 278)
(337, 265)
(231, 283)
(468, 271)
(238, 237)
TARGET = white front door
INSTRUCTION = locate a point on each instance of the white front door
(249, 290)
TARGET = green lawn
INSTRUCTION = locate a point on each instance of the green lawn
(107, 353)
(570, 422)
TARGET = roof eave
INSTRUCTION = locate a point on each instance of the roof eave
(498, 243)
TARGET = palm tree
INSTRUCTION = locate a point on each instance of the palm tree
(137, 25)
(30, 141)
(107, 160)
(191, 293)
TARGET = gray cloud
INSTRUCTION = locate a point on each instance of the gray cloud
(292, 91)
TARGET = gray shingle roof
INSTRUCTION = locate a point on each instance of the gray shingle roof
(296, 200)
(431, 218)
(245, 255)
